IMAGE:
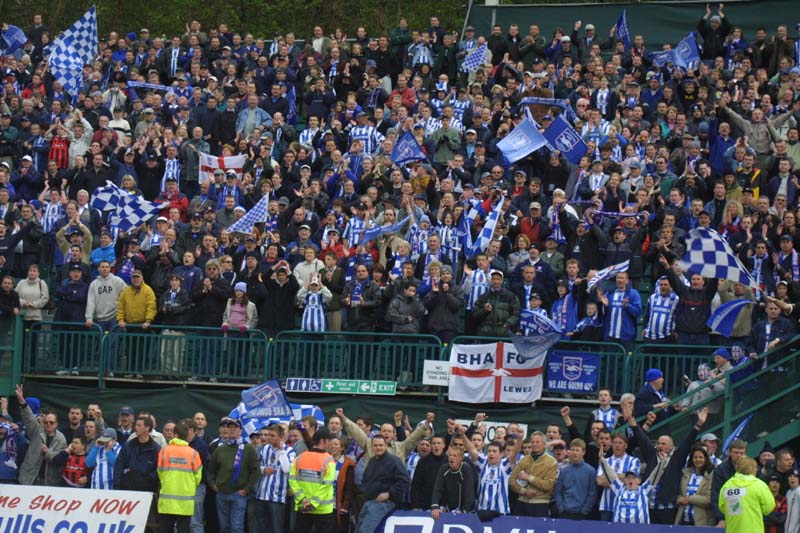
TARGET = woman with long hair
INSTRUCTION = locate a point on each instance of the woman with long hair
(694, 499)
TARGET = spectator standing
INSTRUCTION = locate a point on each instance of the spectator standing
(180, 470)
(576, 488)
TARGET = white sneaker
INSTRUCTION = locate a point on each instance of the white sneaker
(74, 371)
(212, 380)
(62, 372)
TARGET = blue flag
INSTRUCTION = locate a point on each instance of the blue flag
(523, 140)
(376, 231)
(406, 150)
(12, 39)
(465, 232)
(266, 400)
(660, 59)
(686, 54)
(621, 30)
(538, 323)
(534, 346)
(564, 138)
(736, 433)
(724, 317)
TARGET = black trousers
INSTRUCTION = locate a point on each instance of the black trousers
(169, 523)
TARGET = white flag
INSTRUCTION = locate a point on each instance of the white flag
(494, 373)
(209, 163)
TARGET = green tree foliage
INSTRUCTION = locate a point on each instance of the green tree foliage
(259, 17)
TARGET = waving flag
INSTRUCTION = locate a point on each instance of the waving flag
(256, 215)
(538, 323)
(128, 210)
(406, 150)
(534, 347)
(736, 433)
(12, 39)
(475, 59)
(465, 232)
(377, 231)
(73, 49)
(724, 317)
(686, 54)
(660, 59)
(209, 163)
(262, 405)
(621, 30)
(523, 140)
(487, 232)
(607, 273)
(565, 139)
(709, 255)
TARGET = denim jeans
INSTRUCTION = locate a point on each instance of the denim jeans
(270, 516)
(231, 509)
(371, 515)
(197, 517)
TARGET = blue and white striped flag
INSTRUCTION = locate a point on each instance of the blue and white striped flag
(724, 317)
(621, 30)
(377, 231)
(12, 39)
(465, 230)
(607, 273)
(73, 49)
(709, 255)
(256, 215)
(475, 59)
(487, 232)
(107, 198)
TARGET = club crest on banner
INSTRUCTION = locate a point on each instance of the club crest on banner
(567, 140)
(573, 368)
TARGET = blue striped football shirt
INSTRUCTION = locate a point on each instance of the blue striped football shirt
(623, 464)
(608, 417)
(370, 136)
(630, 506)
(475, 284)
(662, 316)
(273, 487)
(691, 488)
(103, 472)
(493, 485)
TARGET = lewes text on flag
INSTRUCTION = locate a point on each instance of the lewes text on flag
(493, 373)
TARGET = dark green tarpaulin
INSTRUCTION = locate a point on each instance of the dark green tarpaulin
(179, 402)
(658, 22)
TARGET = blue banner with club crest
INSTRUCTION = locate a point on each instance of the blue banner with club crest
(572, 372)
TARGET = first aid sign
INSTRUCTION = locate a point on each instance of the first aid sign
(33, 509)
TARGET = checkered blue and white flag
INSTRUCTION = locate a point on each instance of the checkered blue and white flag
(132, 212)
(107, 198)
(73, 49)
(709, 255)
(607, 273)
(475, 59)
(128, 210)
(256, 215)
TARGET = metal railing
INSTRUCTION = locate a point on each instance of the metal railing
(675, 360)
(614, 370)
(10, 354)
(352, 355)
(769, 394)
(63, 347)
(186, 352)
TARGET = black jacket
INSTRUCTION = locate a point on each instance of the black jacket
(424, 479)
(211, 305)
(386, 473)
(71, 298)
(277, 312)
(455, 489)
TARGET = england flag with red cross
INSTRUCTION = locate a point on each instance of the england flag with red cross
(494, 373)
(209, 163)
